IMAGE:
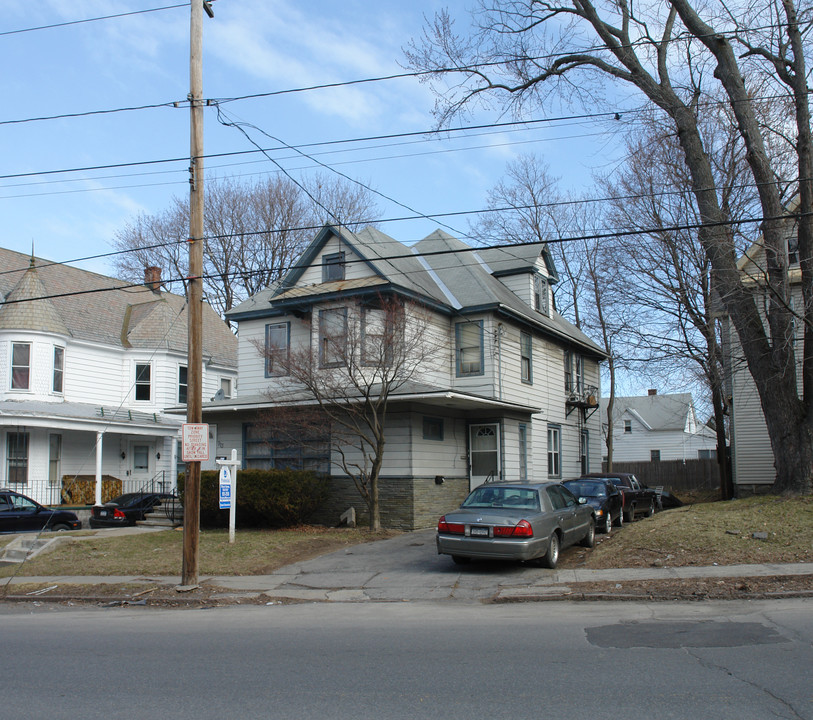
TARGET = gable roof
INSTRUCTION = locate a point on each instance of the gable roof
(439, 270)
(45, 296)
(655, 412)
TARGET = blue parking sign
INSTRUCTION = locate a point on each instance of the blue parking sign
(225, 489)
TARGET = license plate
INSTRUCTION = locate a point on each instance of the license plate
(102, 513)
(480, 531)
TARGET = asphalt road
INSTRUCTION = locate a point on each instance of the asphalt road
(738, 660)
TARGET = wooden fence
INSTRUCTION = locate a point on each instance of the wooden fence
(674, 475)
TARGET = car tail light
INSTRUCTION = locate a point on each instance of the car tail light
(119, 514)
(521, 529)
(447, 527)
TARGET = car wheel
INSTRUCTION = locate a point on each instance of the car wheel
(629, 516)
(651, 509)
(460, 560)
(59, 527)
(608, 522)
(551, 557)
(589, 540)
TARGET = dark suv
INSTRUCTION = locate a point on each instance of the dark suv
(19, 513)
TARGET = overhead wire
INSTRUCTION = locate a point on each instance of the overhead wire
(411, 255)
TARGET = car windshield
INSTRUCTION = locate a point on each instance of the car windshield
(519, 498)
(586, 489)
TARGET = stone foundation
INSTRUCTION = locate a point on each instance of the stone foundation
(406, 503)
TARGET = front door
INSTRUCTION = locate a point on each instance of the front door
(142, 465)
(484, 453)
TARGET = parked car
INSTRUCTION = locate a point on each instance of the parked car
(516, 521)
(126, 509)
(603, 496)
(638, 498)
(19, 513)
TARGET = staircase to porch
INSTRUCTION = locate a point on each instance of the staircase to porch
(169, 513)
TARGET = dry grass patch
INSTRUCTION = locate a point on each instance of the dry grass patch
(717, 532)
(255, 552)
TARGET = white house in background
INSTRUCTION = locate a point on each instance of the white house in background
(511, 390)
(751, 452)
(658, 427)
(87, 364)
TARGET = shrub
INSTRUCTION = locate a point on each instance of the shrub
(265, 498)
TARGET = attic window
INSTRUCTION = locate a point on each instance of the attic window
(793, 250)
(333, 267)
(627, 426)
(541, 301)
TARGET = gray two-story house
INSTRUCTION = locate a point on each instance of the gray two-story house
(507, 388)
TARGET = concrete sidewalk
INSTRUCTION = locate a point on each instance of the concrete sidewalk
(407, 567)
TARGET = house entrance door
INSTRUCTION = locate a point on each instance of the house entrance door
(142, 464)
(484, 453)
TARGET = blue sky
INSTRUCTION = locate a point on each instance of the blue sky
(251, 46)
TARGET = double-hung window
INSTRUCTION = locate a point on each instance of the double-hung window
(183, 376)
(277, 349)
(554, 451)
(20, 366)
(523, 452)
(469, 347)
(59, 369)
(332, 337)
(17, 458)
(526, 357)
(143, 382)
(376, 329)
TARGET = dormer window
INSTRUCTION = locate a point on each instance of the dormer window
(333, 267)
(541, 301)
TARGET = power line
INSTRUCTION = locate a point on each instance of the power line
(409, 255)
(323, 143)
(93, 19)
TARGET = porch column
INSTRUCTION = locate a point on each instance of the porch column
(98, 468)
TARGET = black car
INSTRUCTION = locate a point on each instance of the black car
(126, 509)
(603, 496)
(19, 513)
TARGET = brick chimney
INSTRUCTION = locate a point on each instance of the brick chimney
(650, 392)
(152, 278)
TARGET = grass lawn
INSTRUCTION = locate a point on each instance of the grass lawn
(713, 532)
(699, 534)
(255, 552)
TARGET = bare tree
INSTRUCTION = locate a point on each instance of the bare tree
(651, 196)
(345, 376)
(522, 51)
(254, 232)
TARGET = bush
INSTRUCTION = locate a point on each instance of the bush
(265, 498)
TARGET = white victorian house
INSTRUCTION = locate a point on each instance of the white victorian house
(657, 427)
(507, 390)
(87, 365)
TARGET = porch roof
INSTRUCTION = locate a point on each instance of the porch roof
(84, 416)
(409, 393)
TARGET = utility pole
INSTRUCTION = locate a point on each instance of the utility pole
(194, 412)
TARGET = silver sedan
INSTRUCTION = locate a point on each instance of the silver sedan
(516, 521)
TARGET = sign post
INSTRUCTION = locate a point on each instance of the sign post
(228, 490)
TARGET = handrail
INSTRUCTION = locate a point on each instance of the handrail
(154, 485)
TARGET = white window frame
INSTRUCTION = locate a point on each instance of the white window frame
(276, 350)
(554, 451)
(183, 384)
(59, 370)
(18, 367)
(332, 337)
(139, 383)
(465, 365)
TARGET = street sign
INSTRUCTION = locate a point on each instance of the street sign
(195, 446)
(225, 488)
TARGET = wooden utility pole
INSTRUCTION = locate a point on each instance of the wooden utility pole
(194, 412)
